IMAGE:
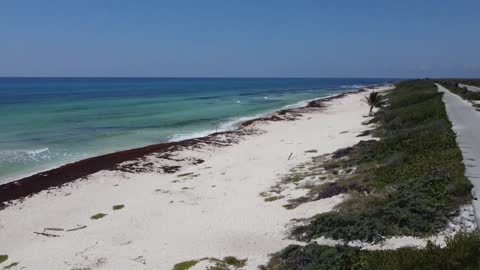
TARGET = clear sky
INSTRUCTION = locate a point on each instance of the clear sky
(244, 38)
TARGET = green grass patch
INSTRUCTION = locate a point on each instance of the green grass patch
(98, 216)
(233, 261)
(118, 206)
(185, 265)
(461, 252)
(290, 206)
(315, 173)
(3, 258)
(227, 263)
(410, 182)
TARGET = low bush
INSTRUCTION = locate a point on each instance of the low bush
(453, 85)
(410, 182)
(3, 258)
(98, 216)
(185, 265)
(461, 252)
(118, 207)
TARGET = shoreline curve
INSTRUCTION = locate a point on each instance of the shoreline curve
(70, 172)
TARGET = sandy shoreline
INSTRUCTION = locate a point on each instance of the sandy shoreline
(187, 200)
(58, 176)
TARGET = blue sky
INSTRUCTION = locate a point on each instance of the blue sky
(246, 38)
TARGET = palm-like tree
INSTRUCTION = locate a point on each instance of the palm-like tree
(374, 100)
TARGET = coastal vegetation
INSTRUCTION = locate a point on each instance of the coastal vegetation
(273, 198)
(461, 252)
(374, 100)
(228, 263)
(408, 182)
(3, 258)
(98, 216)
(472, 82)
(185, 265)
(453, 86)
(118, 207)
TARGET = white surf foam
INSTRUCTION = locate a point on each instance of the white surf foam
(37, 151)
(234, 123)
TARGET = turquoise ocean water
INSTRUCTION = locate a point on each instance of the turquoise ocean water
(48, 122)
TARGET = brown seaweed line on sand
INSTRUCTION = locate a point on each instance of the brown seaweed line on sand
(77, 170)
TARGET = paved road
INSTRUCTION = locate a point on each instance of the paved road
(466, 124)
(470, 88)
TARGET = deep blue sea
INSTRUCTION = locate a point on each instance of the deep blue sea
(48, 122)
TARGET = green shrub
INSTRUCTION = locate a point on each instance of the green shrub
(461, 252)
(452, 85)
(118, 207)
(3, 258)
(413, 176)
(185, 265)
(98, 216)
(233, 261)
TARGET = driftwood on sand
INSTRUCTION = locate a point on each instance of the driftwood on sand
(47, 234)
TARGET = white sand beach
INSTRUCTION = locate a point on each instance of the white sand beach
(212, 209)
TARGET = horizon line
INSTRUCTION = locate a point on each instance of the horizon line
(196, 77)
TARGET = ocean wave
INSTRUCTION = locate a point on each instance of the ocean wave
(37, 151)
(304, 103)
(236, 122)
(22, 155)
(190, 135)
(353, 86)
(232, 124)
(19, 163)
(227, 125)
